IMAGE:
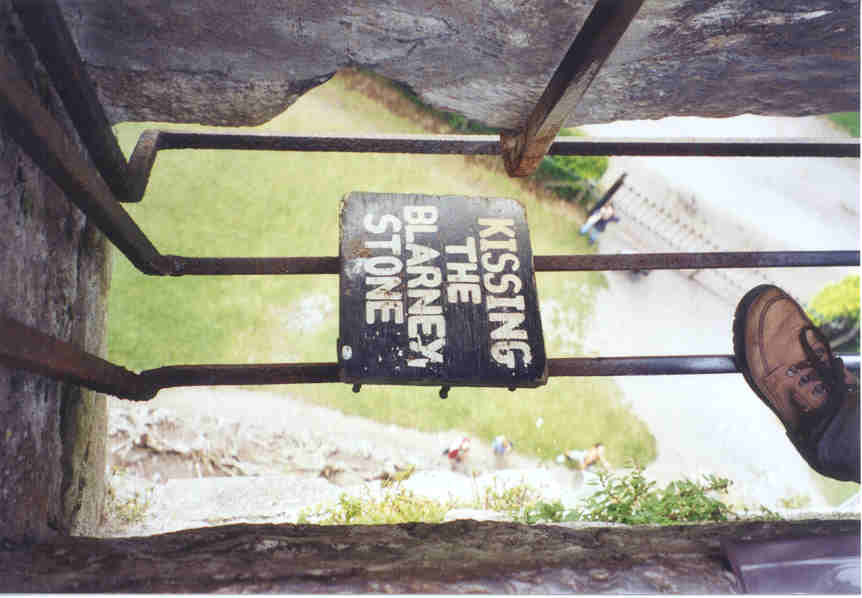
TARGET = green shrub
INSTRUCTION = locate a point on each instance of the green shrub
(395, 506)
(632, 499)
(835, 309)
(629, 498)
(836, 301)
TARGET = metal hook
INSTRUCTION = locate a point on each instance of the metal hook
(357, 387)
(444, 392)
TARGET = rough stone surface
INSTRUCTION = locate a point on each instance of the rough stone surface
(221, 63)
(54, 273)
(457, 557)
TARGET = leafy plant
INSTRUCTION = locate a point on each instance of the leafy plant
(126, 510)
(396, 506)
(838, 300)
(514, 501)
(632, 499)
(836, 310)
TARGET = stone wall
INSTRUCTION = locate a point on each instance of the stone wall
(54, 275)
(458, 557)
(218, 62)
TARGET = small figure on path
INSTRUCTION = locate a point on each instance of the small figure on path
(501, 446)
(597, 222)
(457, 451)
(596, 454)
(584, 460)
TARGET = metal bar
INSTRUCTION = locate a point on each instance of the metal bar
(397, 144)
(244, 265)
(231, 266)
(234, 375)
(608, 195)
(694, 261)
(596, 40)
(43, 21)
(766, 147)
(24, 347)
(670, 365)
(152, 141)
(38, 134)
(141, 165)
(489, 145)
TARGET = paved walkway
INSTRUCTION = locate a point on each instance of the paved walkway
(715, 423)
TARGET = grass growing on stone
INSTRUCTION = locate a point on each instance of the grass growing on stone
(256, 204)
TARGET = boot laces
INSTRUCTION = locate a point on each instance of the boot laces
(827, 371)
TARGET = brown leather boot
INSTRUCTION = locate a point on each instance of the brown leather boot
(787, 361)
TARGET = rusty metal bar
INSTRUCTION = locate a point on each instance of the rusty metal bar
(596, 40)
(43, 21)
(229, 266)
(694, 261)
(642, 366)
(235, 375)
(266, 265)
(489, 145)
(670, 365)
(39, 134)
(389, 144)
(764, 147)
(24, 347)
(152, 141)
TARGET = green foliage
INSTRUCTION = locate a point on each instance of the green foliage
(836, 301)
(849, 121)
(395, 506)
(628, 498)
(632, 499)
(513, 501)
(126, 510)
(573, 177)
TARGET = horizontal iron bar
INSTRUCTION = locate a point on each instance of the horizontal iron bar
(654, 366)
(242, 265)
(181, 266)
(24, 347)
(39, 134)
(694, 261)
(766, 147)
(236, 375)
(490, 145)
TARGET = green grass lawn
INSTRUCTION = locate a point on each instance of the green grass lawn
(256, 204)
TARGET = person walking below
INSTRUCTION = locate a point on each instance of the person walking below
(597, 222)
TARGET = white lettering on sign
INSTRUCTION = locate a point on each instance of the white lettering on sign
(462, 279)
(383, 302)
(387, 268)
(424, 278)
(497, 244)
(404, 274)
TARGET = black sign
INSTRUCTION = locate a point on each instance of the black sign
(438, 290)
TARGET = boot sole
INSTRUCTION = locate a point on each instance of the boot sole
(739, 341)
